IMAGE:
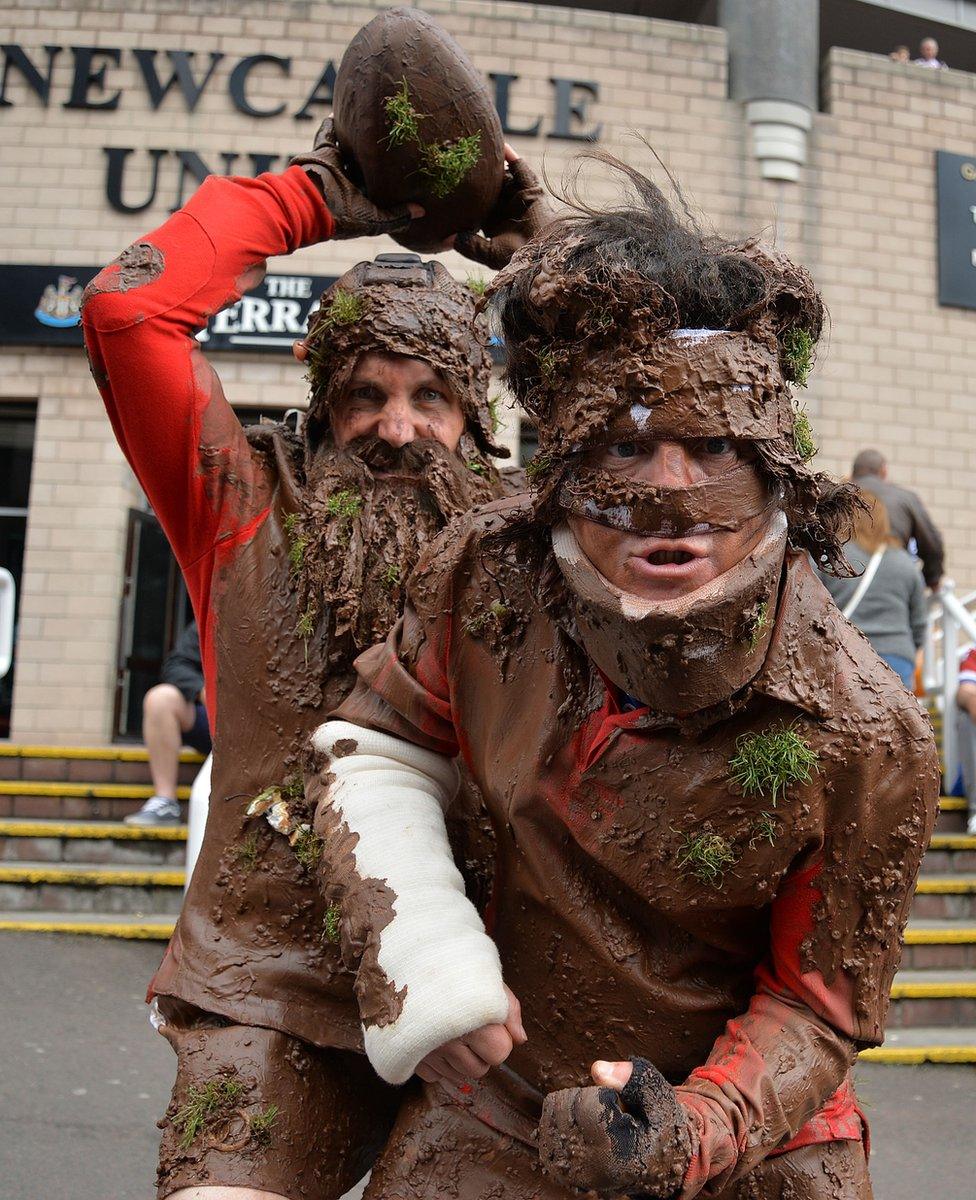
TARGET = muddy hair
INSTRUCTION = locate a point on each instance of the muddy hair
(643, 256)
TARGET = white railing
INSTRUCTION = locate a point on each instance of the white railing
(8, 598)
(951, 629)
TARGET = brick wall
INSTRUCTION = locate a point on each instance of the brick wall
(863, 219)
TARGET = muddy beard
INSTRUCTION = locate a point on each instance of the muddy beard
(368, 511)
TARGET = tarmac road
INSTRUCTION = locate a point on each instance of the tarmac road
(84, 1079)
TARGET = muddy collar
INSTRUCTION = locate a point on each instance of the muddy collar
(684, 655)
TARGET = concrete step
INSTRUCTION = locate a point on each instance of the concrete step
(953, 813)
(92, 842)
(23, 799)
(925, 1044)
(932, 999)
(70, 888)
(114, 925)
(939, 945)
(942, 897)
(85, 764)
(949, 853)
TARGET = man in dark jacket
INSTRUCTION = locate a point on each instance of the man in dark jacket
(174, 714)
(908, 515)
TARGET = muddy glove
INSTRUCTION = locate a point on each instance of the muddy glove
(353, 214)
(636, 1141)
(522, 210)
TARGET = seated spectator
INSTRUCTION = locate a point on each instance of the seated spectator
(928, 54)
(907, 515)
(173, 715)
(887, 601)
(901, 54)
(966, 732)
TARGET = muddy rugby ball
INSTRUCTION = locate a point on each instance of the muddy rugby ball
(418, 122)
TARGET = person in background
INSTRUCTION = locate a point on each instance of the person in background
(901, 54)
(966, 732)
(928, 54)
(887, 601)
(907, 515)
(173, 715)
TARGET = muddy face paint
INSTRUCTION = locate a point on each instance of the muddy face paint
(678, 656)
(726, 502)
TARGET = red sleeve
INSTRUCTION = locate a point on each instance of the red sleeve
(140, 316)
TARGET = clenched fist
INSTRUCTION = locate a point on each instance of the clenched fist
(635, 1140)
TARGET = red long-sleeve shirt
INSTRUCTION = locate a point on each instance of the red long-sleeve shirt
(164, 399)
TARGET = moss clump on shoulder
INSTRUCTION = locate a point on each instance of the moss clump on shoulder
(765, 764)
(707, 856)
(760, 624)
(246, 851)
(476, 285)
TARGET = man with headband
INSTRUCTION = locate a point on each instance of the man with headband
(295, 549)
(709, 795)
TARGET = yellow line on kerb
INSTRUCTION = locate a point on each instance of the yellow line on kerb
(146, 931)
(961, 885)
(92, 876)
(952, 841)
(933, 991)
(953, 804)
(98, 830)
(90, 753)
(940, 937)
(86, 791)
(913, 1055)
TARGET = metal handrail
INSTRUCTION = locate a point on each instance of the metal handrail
(940, 669)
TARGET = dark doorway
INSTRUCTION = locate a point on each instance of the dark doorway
(155, 610)
(16, 456)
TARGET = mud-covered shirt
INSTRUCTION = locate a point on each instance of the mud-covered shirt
(645, 903)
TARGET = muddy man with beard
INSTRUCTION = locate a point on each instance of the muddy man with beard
(295, 550)
(710, 796)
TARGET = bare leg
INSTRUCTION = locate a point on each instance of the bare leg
(166, 716)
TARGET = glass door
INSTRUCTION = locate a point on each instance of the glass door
(16, 456)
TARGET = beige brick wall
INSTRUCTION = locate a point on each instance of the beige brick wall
(863, 218)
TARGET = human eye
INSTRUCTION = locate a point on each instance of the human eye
(718, 446)
(429, 395)
(621, 451)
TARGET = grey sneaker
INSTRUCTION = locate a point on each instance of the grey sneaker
(158, 810)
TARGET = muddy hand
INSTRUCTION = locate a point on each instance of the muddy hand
(522, 210)
(628, 1136)
(354, 215)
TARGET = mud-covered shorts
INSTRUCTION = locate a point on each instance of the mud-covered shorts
(255, 1108)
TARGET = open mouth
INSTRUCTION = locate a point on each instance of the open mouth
(661, 558)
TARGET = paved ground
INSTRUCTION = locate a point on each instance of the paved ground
(84, 1079)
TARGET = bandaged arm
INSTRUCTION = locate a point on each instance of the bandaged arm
(426, 970)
